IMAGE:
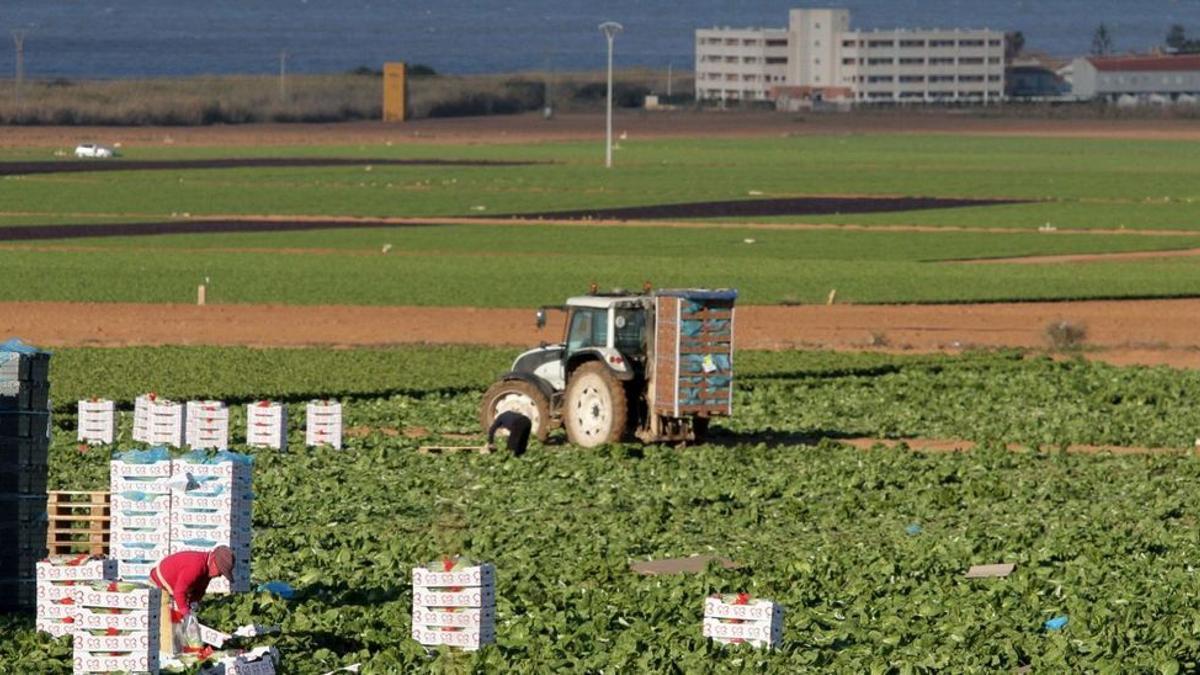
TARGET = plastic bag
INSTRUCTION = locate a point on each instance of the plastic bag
(187, 635)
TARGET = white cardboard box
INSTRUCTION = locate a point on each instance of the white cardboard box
(266, 424)
(323, 424)
(758, 623)
(467, 639)
(469, 592)
(94, 569)
(97, 422)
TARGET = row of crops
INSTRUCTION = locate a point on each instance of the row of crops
(866, 550)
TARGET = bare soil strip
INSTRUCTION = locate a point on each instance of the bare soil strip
(1148, 332)
(90, 166)
(636, 125)
(342, 222)
(759, 208)
(1082, 258)
(936, 445)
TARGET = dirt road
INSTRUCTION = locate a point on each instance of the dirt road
(1147, 332)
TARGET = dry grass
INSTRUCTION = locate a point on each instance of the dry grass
(308, 98)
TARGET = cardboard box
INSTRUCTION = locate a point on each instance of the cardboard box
(323, 424)
(479, 575)
(97, 663)
(131, 470)
(130, 538)
(266, 424)
(151, 503)
(97, 422)
(93, 596)
(226, 503)
(94, 569)
(131, 641)
(478, 618)
(128, 518)
(759, 623)
(483, 596)
(104, 618)
(469, 640)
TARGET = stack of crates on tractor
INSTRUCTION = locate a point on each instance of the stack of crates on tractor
(158, 421)
(323, 424)
(266, 425)
(140, 526)
(118, 628)
(24, 451)
(693, 351)
(57, 578)
(207, 425)
(740, 619)
(454, 604)
(214, 507)
(97, 422)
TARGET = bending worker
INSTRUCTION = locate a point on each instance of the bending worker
(516, 426)
(183, 578)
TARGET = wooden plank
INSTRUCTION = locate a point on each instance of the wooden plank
(690, 565)
(448, 449)
(990, 571)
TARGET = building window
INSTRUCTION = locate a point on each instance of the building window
(876, 44)
(941, 61)
(941, 78)
(776, 59)
(913, 43)
(993, 43)
(912, 61)
(941, 43)
(849, 61)
(881, 78)
(970, 43)
(816, 43)
(993, 78)
(777, 43)
(994, 60)
(849, 44)
(880, 62)
(970, 78)
(912, 78)
(971, 61)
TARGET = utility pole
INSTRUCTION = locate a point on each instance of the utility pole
(19, 45)
(283, 55)
(610, 30)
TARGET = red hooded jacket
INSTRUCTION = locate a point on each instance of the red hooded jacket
(185, 576)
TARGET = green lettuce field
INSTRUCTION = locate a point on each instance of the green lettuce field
(865, 549)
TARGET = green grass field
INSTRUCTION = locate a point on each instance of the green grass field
(1074, 184)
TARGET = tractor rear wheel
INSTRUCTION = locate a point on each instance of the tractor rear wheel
(596, 409)
(517, 396)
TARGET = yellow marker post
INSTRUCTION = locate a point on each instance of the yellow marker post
(395, 92)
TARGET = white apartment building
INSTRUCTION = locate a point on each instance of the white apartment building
(818, 57)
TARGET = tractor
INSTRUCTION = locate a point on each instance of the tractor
(656, 366)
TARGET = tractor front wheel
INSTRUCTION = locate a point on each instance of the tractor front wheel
(596, 408)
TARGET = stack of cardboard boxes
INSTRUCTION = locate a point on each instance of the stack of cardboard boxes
(207, 425)
(266, 425)
(323, 424)
(456, 607)
(57, 578)
(118, 626)
(97, 422)
(140, 526)
(212, 509)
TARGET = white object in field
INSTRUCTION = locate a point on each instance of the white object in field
(457, 608)
(758, 622)
(207, 425)
(201, 295)
(158, 421)
(56, 582)
(323, 424)
(93, 151)
(134, 647)
(97, 422)
(266, 425)
(214, 509)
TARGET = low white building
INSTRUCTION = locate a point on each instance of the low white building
(818, 57)
(1149, 78)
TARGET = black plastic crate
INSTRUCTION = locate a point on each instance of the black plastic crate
(18, 594)
(24, 367)
(23, 452)
(24, 424)
(24, 396)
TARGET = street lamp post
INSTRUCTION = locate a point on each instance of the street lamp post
(610, 30)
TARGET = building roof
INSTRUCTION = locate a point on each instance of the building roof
(1155, 63)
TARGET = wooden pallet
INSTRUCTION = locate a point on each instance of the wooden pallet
(448, 449)
(78, 523)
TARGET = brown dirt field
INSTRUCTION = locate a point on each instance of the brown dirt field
(531, 127)
(1144, 332)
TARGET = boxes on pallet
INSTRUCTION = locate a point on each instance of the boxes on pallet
(323, 424)
(118, 627)
(57, 578)
(215, 508)
(454, 604)
(266, 424)
(97, 420)
(738, 619)
(207, 425)
(140, 511)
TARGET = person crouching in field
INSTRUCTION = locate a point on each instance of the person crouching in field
(516, 426)
(183, 578)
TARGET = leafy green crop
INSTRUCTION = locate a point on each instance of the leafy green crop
(821, 528)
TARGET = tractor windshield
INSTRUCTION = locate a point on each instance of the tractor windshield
(589, 328)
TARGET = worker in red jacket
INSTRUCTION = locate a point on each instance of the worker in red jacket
(183, 578)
